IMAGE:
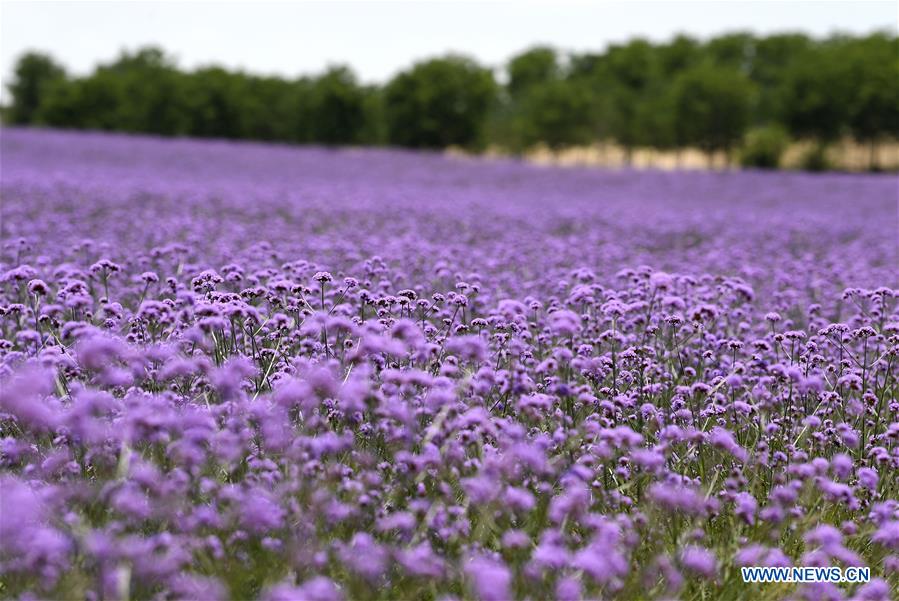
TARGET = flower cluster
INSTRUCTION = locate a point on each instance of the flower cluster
(233, 371)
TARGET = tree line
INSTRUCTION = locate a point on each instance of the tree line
(740, 94)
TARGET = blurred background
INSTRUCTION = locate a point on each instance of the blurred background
(674, 84)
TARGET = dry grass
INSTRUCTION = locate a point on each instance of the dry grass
(846, 155)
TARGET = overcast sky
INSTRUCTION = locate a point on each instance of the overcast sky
(379, 38)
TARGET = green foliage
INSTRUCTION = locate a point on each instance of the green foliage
(764, 147)
(668, 96)
(874, 112)
(815, 95)
(774, 56)
(633, 65)
(679, 54)
(374, 131)
(555, 113)
(815, 158)
(438, 103)
(147, 88)
(732, 51)
(534, 67)
(846, 86)
(218, 104)
(656, 121)
(35, 75)
(711, 107)
(270, 108)
(337, 105)
(629, 77)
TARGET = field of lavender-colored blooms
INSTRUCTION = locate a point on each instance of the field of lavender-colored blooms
(231, 371)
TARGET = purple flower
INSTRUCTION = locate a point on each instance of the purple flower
(887, 535)
(677, 497)
(699, 561)
(841, 464)
(490, 579)
(364, 556)
(26, 538)
(746, 506)
(468, 348)
(568, 589)
(724, 440)
(572, 503)
(38, 287)
(824, 535)
(23, 396)
(258, 512)
(421, 561)
(515, 539)
(604, 565)
(318, 588)
(494, 405)
(867, 477)
(877, 589)
(481, 489)
(189, 586)
(564, 322)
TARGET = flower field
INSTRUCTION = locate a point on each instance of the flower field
(235, 371)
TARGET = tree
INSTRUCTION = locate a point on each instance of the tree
(679, 54)
(639, 94)
(633, 65)
(531, 68)
(628, 73)
(218, 103)
(269, 104)
(874, 104)
(764, 147)
(711, 107)
(591, 71)
(152, 95)
(89, 103)
(373, 131)
(774, 56)
(34, 75)
(438, 103)
(732, 50)
(61, 106)
(556, 113)
(543, 106)
(815, 94)
(337, 107)
(654, 120)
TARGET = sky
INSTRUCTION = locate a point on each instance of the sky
(378, 39)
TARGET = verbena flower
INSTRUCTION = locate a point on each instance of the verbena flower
(617, 398)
